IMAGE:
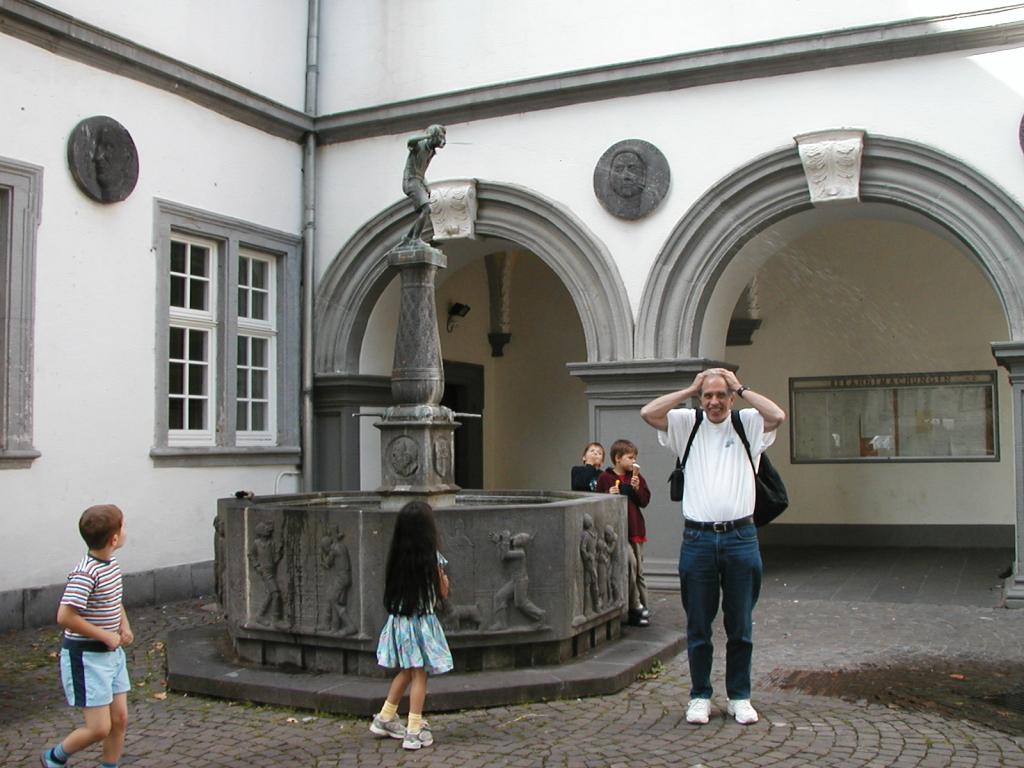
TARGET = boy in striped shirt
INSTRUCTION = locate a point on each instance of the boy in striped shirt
(92, 661)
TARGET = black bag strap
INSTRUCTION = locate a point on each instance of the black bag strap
(737, 424)
(689, 442)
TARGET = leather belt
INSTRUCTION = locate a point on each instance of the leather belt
(722, 527)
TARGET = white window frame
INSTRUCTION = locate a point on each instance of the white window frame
(265, 329)
(224, 443)
(190, 319)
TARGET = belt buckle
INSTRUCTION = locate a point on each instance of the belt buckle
(720, 527)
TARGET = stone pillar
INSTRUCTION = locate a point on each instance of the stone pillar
(1010, 355)
(417, 434)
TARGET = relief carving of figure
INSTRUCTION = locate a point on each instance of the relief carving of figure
(608, 560)
(334, 557)
(589, 560)
(457, 613)
(422, 149)
(512, 553)
(264, 556)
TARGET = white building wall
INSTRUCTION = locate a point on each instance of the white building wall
(257, 44)
(378, 52)
(95, 311)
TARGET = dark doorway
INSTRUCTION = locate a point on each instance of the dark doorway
(464, 393)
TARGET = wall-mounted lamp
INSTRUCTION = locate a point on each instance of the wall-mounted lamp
(456, 310)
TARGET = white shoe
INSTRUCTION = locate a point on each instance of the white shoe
(698, 711)
(741, 709)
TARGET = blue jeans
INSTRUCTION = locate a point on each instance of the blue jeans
(726, 564)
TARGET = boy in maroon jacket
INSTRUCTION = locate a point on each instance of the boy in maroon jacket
(624, 477)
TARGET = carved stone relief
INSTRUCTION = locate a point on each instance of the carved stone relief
(608, 565)
(336, 566)
(589, 563)
(831, 161)
(459, 613)
(453, 206)
(265, 553)
(631, 178)
(102, 159)
(515, 591)
(443, 457)
(404, 456)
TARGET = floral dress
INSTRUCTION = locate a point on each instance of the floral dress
(415, 641)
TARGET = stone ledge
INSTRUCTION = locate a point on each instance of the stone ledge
(196, 663)
(37, 606)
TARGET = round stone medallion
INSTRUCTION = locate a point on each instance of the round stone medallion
(631, 178)
(103, 160)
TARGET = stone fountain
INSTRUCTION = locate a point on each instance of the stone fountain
(538, 577)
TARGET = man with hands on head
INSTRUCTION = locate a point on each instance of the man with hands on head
(719, 560)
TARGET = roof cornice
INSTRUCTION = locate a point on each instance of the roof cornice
(1000, 27)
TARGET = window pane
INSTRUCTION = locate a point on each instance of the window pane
(243, 270)
(196, 414)
(197, 290)
(243, 350)
(243, 302)
(200, 260)
(259, 306)
(196, 345)
(177, 291)
(259, 417)
(259, 274)
(176, 379)
(175, 413)
(177, 344)
(197, 379)
(259, 385)
(259, 353)
(242, 418)
(242, 383)
(177, 256)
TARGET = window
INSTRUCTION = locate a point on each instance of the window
(228, 340)
(20, 206)
(256, 349)
(895, 417)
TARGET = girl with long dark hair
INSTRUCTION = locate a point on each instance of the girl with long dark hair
(412, 638)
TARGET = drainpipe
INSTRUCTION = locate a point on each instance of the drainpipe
(308, 241)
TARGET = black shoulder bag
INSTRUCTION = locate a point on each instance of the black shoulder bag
(772, 498)
(675, 480)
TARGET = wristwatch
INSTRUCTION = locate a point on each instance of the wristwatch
(741, 390)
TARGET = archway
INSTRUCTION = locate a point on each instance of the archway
(350, 287)
(967, 206)
(357, 278)
(894, 171)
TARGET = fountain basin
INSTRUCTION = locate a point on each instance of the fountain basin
(538, 578)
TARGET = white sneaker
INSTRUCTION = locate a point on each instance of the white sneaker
(742, 711)
(698, 711)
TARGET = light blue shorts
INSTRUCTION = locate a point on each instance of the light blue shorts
(91, 674)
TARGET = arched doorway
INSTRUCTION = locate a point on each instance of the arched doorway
(700, 269)
(558, 249)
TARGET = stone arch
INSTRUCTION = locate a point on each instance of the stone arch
(359, 273)
(894, 171)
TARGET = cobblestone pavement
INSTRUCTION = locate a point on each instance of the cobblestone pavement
(643, 725)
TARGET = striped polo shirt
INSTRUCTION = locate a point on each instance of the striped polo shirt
(94, 590)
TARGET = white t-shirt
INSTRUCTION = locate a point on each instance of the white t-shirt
(719, 481)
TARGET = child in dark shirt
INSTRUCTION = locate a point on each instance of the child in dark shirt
(584, 477)
(623, 477)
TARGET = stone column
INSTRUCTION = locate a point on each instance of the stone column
(417, 434)
(1010, 355)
